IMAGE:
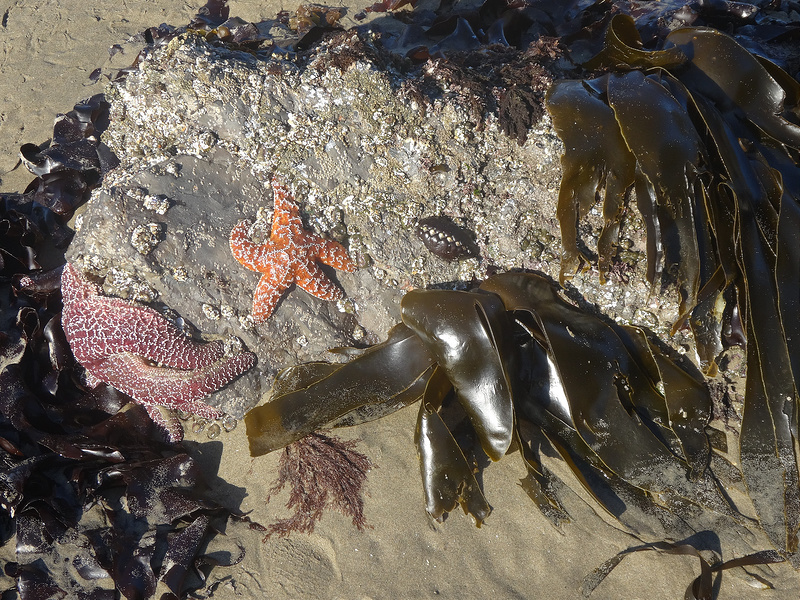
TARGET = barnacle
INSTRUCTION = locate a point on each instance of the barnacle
(705, 135)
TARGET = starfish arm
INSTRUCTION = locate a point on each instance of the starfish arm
(286, 214)
(311, 278)
(75, 287)
(97, 326)
(334, 254)
(127, 327)
(245, 251)
(167, 421)
(91, 380)
(103, 326)
(150, 385)
(270, 288)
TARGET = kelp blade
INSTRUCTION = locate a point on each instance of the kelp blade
(745, 111)
(630, 505)
(466, 332)
(623, 49)
(722, 70)
(667, 148)
(595, 157)
(602, 383)
(768, 434)
(447, 477)
(322, 395)
(686, 400)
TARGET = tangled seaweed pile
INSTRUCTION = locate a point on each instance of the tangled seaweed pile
(706, 136)
(84, 475)
(73, 162)
(624, 416)
(512, 367)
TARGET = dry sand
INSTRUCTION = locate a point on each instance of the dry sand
(49, 48)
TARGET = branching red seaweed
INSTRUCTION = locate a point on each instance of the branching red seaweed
(323, 472)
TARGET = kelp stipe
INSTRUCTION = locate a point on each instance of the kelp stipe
(739, 191)
(309, 397)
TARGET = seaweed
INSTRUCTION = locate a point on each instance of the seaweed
(718, 188)
(701, 588)
(84, 474)
(70, 165)
(447, 476)
(323, 472)
(518, 368)
(452, 30)
(313, 396)
(464, 331)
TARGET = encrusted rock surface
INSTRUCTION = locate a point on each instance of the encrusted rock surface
(370, 145)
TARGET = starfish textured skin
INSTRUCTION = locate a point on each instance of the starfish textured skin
(136, 350)
(289, 256)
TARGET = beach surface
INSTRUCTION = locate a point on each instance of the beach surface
(49, 48)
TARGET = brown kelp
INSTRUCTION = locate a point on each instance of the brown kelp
(701, 587)
(706, 136)
(518, 368)
(311, 396)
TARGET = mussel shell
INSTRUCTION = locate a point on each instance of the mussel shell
(445, 239)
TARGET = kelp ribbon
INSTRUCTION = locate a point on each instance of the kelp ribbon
(706, 136)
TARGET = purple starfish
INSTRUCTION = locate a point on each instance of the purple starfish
(136, 350)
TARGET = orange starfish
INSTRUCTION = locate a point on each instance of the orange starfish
(289, 256)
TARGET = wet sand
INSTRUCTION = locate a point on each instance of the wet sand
(49, 49)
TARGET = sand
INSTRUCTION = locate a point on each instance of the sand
(49, 49)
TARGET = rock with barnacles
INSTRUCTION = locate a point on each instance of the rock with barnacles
(371, 147)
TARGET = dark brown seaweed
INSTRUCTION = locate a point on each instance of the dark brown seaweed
(701, 588)
(593, 162)
(614, 404)
(66, 451)
(658, 131)
(447, 476)
(529, 370)
(70, 165)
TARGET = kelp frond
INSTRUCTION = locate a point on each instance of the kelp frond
(712, 133)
